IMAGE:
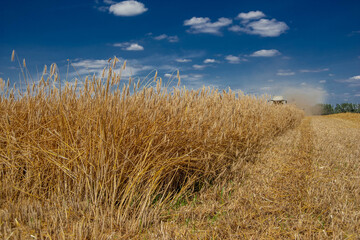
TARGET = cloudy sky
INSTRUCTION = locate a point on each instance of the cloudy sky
(256, 46)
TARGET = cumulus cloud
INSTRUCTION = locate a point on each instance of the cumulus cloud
(251, 15)
(355, 78)
(285, 73)
(134, 47)
(127, 8)
(253, 22)
(168, 38)
(204, 25)
(183, 60)
(266, 53)
(262, 27)
(234, 59)
(129, 46)
(322, 81)
(314, 70)
(209, 60)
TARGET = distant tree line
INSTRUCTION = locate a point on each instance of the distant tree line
(339, 108)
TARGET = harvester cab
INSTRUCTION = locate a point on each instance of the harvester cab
(278, 100)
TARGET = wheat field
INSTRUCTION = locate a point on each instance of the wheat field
(100, 159)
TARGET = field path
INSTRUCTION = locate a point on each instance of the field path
(304, 185)
(307, 183)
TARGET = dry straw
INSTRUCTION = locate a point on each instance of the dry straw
(80, 162)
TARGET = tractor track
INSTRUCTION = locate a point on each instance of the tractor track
(304, 185)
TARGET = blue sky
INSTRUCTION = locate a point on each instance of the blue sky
(273, 47)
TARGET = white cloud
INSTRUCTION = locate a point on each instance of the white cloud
(103, 8)
(234, 59)
(252, 22)
(322, 81)
(161, 37)
(135, 47)
(121, 44)
(285, 73)
(192, 77)
(251, 15)
(183, 60)
(209, 60)
(314, 70)
(196, 21)
(303, 84)
(236, 28)
(198, 67)
(109, 2)
(169, 38)
(204, 25)
(262, 27)
(173, 38)
(355, 78)
(168, 75)
(266, 53)
(352, 81)
(196, 75)
(96, 66)
(127, 8)
(129, 46)
(91, 64)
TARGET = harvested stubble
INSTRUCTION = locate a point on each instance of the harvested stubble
(96, 161)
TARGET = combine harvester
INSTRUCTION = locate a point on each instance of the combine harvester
(278, 100)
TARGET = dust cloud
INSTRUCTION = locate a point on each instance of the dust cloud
(306, 98)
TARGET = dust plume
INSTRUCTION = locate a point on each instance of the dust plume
(307, 98)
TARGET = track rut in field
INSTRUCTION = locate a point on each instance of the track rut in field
(304, 185)
(307, 183)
